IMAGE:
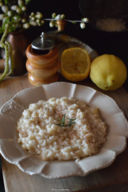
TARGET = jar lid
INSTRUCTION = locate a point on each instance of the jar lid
(44, 42)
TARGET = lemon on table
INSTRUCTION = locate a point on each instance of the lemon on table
(108, 72)
(75, 64)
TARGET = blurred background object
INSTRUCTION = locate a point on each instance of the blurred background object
(106, 15)
(107, 30)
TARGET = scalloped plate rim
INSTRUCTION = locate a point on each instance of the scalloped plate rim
(83, 86)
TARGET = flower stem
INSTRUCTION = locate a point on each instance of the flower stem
(4, 36)
(6, 68)
(11, 67)
(8, 54)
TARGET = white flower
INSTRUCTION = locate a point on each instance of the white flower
(20, 2)
(1, 16)
(32, 14)
(32, 18)
(85, 20)
(14, 7)
(26, 25)
(23, 20)
(37, 21)
(9, 13)
(51, 24)
(58, 17)
(18, 10)
(62, 16)
(15, 18)
(4, 8)
(82, 25)
(39, 15)
(23, 8)
(53, 15)
(42, 22)
(33, 23)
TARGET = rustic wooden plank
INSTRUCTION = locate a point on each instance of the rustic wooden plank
(17, 181)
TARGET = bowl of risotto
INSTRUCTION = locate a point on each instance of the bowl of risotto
(61, 129)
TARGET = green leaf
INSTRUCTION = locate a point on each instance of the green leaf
(63, 124)
(27, 1)
(5, 21)
(1, 30)
(6, 2)
(71, 122)
(63, 120)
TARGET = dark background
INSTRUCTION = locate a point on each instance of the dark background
(103, 42)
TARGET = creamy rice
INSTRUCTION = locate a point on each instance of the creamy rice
(61, 129)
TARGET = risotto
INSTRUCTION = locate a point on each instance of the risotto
(61, 129)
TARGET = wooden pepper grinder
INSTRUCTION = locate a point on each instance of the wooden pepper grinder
(42, 60)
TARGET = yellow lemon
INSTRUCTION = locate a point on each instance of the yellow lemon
(108, 72)
(75, 64)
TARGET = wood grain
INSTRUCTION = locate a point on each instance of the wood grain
(108, 178)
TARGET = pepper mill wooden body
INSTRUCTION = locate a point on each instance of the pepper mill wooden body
(42, 68)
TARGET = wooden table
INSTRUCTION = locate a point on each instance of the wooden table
(113, 178)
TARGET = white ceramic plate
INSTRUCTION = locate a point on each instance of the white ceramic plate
(13, 153)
